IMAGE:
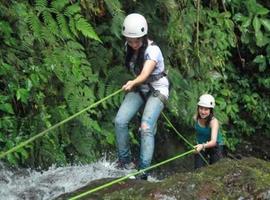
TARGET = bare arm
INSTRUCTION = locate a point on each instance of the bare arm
(148, 68)
(214, 133)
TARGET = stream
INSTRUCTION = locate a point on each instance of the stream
(18, 184)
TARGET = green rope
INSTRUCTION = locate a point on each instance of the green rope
(181, 136)
(129, 175)
(2, 155)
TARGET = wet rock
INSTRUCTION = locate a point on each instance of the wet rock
(248, 178)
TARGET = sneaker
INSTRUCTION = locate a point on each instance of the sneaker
(142, 176)
(132, 177)
(128, 166)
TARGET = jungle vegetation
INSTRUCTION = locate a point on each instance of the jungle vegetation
(60, 56)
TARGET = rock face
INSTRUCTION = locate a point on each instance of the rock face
(248, 178)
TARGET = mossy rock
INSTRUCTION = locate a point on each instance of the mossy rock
(248, 178)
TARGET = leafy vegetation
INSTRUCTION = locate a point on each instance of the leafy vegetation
(60, 56)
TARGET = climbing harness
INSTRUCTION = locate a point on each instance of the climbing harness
(155, 77)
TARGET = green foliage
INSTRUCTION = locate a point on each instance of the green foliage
(86, 29)
(44, 75)
(58, 57)
(210, 66)
(117, 14)
(254, 19)
(68, 20)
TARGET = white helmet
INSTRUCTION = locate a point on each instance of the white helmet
(207, 100)
(134, 26)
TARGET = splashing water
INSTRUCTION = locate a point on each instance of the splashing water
(28, 184)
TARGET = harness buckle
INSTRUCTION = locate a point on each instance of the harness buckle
(156, 93)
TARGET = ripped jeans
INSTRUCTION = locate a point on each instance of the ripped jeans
(129, 107)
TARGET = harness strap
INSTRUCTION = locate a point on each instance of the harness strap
(153, 92)
(157, 93)
(143, 95)
(155, 77)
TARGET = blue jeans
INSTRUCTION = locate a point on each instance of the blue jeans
(128, 109)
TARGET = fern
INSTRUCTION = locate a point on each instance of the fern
(50, 151)
(61, 20)
(115, 101)
(35, 25)
(86, 63)
(170, 4)
(101, 94)
(82, 140)
(47, 35)
(74, 45)
(40, 5)
(114, 78)
(117, 25)
(72, 26)
(78, 54)
(114, 82)
(59, 4)
(86, 29)
(72, 10)
(74, 94)
(66, 25)
(114, 7)
(50, 22)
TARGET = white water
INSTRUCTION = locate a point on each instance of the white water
(46, 185)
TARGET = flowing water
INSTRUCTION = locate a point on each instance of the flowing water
(18, 184)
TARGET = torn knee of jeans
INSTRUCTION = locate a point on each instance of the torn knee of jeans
(144, 127)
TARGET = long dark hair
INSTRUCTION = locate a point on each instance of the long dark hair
(209, 118)
(140, 59)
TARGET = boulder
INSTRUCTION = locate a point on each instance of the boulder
(248, 178)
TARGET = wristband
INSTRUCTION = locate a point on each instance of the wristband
(203, 145)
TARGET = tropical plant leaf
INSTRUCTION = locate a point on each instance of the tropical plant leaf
(59, 5)
(62, 22)
(72, 9)
(86, 29)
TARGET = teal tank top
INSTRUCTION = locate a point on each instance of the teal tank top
(203, 134)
